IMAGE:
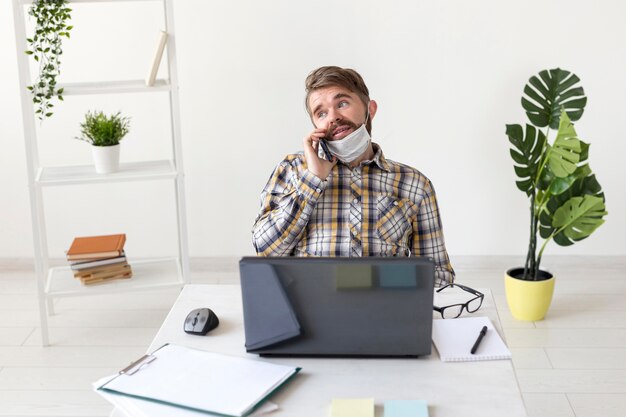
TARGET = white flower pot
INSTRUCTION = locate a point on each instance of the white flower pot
(106, 158)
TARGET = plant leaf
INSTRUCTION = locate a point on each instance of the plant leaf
(579, 217)
(545, 95)
(527, 153)
(564, 154)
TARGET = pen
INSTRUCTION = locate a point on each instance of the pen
(479, 339)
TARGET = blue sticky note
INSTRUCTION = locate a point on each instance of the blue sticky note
(406, 408)
(397, 276)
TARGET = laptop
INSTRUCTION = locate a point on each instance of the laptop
(344, 307)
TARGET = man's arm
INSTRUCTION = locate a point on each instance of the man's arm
(287, 202)
(428, 237)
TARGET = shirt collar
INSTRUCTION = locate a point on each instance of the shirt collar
(379, 158)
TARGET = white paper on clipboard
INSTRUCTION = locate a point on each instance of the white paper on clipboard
(200, 381)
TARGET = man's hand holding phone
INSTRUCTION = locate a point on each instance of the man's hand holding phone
(318, 166)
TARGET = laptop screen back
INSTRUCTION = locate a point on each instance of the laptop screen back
(337, 306)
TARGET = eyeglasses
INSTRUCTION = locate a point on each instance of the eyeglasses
(453, 311)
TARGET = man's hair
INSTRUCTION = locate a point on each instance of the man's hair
(336, 76)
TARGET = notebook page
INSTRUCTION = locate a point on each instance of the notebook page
(454, 339)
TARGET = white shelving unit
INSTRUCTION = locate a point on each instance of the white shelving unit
(147, 274)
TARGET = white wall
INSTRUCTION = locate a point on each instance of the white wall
(447, 75)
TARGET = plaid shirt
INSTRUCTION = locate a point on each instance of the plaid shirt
(380, 208)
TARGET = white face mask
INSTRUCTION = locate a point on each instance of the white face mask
(352, 146)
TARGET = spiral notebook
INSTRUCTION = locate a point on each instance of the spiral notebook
(454, 339)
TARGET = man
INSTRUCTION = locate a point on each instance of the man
(353, 202)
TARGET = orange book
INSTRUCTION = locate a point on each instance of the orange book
(95, 247)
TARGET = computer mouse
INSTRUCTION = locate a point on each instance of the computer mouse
(201, 321)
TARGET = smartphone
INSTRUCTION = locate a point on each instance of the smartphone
(325, 149)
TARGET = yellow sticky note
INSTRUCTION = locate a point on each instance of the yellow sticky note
(352, 407)
(353, 277)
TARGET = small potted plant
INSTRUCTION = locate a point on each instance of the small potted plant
(104, 133)
(566, 201)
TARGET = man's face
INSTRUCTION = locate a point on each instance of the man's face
(337, 110)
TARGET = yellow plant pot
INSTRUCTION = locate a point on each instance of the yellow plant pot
(528, 300)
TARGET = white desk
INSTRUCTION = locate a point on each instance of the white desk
(467, 389)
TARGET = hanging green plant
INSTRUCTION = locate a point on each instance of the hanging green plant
(45, 46)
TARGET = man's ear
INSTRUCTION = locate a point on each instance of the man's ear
(373, 106)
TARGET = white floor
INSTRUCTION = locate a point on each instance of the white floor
(572, 364)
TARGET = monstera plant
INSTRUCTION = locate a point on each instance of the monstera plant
(566, 201)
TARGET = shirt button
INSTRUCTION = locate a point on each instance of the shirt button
(319, 190)
(356, 200)
(395, 203)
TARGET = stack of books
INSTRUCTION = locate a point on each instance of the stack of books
(97, 259)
